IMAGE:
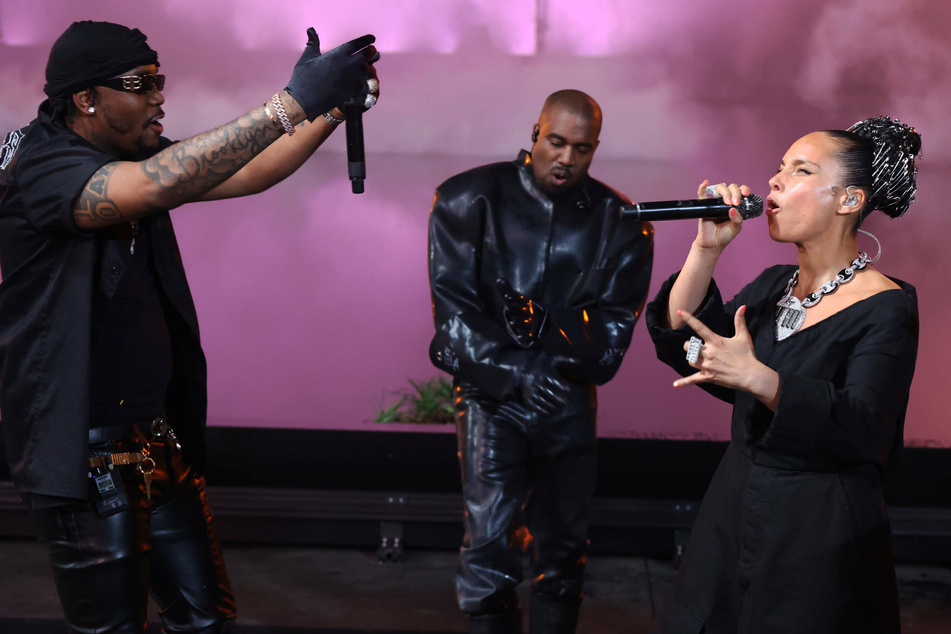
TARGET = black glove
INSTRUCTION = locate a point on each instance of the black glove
(524, 318)
(320, 82)
(542, 383)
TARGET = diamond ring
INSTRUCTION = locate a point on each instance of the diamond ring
(693, 350)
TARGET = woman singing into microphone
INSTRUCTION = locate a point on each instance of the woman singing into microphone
(817, 359)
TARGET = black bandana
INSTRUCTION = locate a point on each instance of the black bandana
(88, 52)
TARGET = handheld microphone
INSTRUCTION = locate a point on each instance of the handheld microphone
(750, 207)
(356, 165)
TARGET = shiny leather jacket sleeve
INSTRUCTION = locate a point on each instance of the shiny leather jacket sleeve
(469, 343)
(598, 335)
(577, 259)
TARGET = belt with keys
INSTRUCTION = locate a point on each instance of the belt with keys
(145, 464)
(107, 461)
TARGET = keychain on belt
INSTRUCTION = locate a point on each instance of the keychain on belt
(146, 469)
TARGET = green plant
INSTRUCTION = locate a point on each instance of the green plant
(426, 402)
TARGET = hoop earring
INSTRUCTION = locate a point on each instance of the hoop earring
(851, 200)
(872, 235)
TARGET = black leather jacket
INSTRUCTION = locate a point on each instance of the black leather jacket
(575, 257)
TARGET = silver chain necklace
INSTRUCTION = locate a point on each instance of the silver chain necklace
(792, 312)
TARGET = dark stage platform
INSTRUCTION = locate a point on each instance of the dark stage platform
(304, 590)
(307, 516)
(355, 489)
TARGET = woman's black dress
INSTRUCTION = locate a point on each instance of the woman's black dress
(792, 535)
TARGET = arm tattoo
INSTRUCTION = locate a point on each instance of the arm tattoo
(183, 171)
(194, 166)
(93, 204)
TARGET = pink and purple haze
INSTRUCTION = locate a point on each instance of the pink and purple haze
(313, 301)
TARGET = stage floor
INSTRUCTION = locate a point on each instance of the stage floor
(321, 590)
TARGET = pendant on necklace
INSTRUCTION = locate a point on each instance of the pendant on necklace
(792, 311)
(790, 317)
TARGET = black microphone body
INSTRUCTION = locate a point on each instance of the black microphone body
(356, 164)
(750, 207)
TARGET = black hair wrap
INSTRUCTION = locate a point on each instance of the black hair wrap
(894, 173)
(89, 52)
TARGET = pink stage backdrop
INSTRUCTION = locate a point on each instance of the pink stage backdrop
(314, 302)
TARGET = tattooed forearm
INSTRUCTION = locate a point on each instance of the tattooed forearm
(94, 205)
(194, 166)
(190, 169)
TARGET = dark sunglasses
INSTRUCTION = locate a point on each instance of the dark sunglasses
(139, 84)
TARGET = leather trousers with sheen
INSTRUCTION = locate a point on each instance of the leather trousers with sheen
(106, 567)
(527, 483)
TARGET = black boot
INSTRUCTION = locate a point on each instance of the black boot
(509, 622)
(550, 617)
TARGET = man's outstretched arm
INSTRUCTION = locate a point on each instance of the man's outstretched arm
(191, 169)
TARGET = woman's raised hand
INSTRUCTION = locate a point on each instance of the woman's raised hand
(715, 234)
(730, 361)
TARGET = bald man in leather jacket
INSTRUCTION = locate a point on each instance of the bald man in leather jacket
(536, 285)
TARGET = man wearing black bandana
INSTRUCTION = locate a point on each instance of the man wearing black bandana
(102, 376)
(536, 285)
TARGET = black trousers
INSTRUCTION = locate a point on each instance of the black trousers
(166, 546)
(526, 483)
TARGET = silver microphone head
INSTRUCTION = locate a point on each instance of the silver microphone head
(750, 206)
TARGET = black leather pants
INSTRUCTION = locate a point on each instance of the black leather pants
(525, 482)
(105, 568)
